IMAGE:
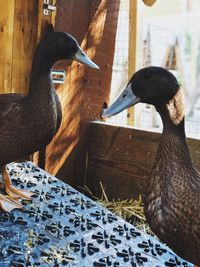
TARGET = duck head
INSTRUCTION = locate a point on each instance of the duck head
(151, 85)
(58, 46)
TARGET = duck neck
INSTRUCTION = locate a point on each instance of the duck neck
(170, 128)
(40, 81)
(42, 101)
(42, 60)
(172, 115)
(173, 140)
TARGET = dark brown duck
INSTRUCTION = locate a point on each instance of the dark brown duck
(173, 191)
(28, 123)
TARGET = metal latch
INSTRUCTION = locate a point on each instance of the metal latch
(58, 76)
(48, 7)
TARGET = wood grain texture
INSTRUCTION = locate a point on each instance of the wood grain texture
(44, 20)
(122, 159)
(64, 145)
(21, 25)
(18, 39)
(6, 44)
(93, 23)
(132, 51)
(24, 43)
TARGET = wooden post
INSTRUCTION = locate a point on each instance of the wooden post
(24, 43)
(18, 36)
(6, 44)
(93, 23)
(132, 50)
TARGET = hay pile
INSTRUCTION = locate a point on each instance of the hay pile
(130, 210)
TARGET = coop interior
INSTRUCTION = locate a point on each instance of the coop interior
(108, 160)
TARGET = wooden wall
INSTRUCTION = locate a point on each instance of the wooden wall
(121, 158)
(21, 24)
(93, 23)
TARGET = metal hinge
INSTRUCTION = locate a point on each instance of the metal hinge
(58, 76)
(48, 7)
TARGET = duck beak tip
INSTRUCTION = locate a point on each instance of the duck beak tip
(103, 114)
(81, 57)
(96, 67)
(125, 100)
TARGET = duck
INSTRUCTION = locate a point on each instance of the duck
(172, 194)
(29, 122)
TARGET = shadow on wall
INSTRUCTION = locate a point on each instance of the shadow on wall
(94, 24)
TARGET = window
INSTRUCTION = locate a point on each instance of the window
(168, 35)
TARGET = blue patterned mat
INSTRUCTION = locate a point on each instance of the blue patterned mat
(62, 227)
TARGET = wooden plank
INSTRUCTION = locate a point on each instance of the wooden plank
(44, 20)
(132, 50)
(62, 149)
(20, 25)
(93, 23)
(101, 32)
(53, 14)
(122, 159)
(132, 38)
(24, 43)
(6, 44)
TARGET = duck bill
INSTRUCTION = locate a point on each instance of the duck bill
(125, 100)
(81, 57)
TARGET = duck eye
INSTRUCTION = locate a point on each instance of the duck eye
(124, 95)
